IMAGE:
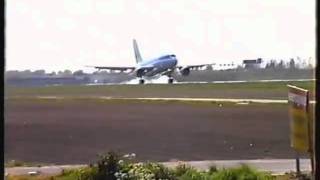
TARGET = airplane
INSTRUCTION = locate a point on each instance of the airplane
(163, 65)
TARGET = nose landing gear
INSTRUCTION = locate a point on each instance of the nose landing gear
(170, 80)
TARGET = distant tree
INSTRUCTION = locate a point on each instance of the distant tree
(53, 73)
(12, 73)
(67, 72)
(271, 64)
(298, 62)
(310, 65)
(292, 64)
(39, 72)
(280, 65)
(304, 63)
(78, 73)
(26, 71)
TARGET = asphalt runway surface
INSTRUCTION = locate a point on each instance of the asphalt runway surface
(74, 132)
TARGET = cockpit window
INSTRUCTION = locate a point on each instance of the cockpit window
(167, 56)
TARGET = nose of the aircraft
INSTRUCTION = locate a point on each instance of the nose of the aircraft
(175, 61)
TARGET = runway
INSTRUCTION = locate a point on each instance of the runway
(80, 129)
(213, 130)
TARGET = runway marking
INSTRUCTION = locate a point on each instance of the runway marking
(238, 101)
(216, 100)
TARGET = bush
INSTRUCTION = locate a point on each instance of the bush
(160, 171)
(115, 167)
(182, 169)
(213, 169)
(108, 165)
(195, 175)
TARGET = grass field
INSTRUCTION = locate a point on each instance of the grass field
(273, 90)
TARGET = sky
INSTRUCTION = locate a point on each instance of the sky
(70, 34)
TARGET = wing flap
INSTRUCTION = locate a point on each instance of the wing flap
(194, 66)
(113, 68)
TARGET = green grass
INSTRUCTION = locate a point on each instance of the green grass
(179, 90)
(242, 173)
(89, 100)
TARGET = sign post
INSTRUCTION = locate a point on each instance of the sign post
(300, 124)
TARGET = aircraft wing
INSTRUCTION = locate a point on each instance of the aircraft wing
(113, 68)
(193, 66)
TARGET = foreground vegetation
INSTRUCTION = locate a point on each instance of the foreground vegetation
(115, 167)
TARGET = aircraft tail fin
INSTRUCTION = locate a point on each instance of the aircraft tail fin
(136, 51)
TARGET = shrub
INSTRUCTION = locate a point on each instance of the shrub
(108, 165)
(115, 167)
(78, 174)
(160, 171)
(213, 169)
(182, 169)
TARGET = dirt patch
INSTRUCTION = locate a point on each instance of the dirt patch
(74, 132)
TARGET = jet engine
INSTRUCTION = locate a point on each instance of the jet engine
(140, 72)
(184, 71)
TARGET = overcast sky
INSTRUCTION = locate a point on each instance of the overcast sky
(70, 34)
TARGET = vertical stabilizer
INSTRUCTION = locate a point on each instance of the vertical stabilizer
(136, 51)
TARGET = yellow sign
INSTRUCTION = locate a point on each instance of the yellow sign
(300, 125)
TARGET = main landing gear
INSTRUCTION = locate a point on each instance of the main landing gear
(170, 80)
(141, 81)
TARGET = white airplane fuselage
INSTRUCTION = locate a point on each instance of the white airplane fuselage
(156, 66)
